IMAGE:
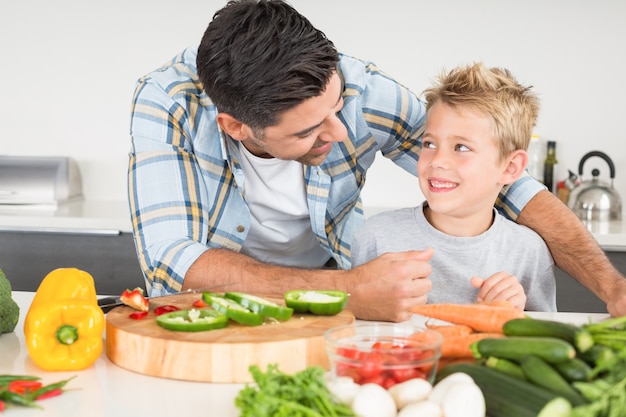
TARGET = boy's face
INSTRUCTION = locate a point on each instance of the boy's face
(460, 172)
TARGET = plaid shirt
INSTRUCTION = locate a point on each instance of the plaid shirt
(185, 182)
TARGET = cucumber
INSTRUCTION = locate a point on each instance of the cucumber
(542, 374)
(506, 366)
(550, 349)
(578, 337)
(507, 396)
(574, 370)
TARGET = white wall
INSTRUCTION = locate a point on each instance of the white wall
(69, 66)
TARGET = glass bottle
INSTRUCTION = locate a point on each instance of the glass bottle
(550, 166)
(536, 156)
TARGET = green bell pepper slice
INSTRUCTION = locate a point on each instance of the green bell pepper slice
(192, 320)
(233, 309)
(261, 306)
(319, 302)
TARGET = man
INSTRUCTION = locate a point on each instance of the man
(249, 155)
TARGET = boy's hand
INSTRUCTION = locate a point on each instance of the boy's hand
(500, 286)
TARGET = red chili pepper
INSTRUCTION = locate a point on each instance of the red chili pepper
(165, 309)
(199, 303)
(52, 393)
(24, 387)
(138, 315)
(1, 405)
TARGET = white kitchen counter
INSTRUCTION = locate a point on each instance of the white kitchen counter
(79, 216)
(106, 390)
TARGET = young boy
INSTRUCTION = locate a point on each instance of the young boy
(479, 123)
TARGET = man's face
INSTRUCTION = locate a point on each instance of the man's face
(306, 132)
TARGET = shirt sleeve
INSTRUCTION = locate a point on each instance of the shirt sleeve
(514, 197)
(166, 217)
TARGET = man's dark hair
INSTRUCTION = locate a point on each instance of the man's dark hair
(260, 58)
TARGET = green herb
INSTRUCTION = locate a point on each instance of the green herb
(606, 392)
(278, 394)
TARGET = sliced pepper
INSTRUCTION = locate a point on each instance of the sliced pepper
(64, 325)
(165, 309)
(320, 302)
(135, 299)
(233, 309)
(192, 320)
(261, 306)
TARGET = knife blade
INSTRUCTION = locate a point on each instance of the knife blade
(109, 302)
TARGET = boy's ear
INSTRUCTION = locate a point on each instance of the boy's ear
(515, 166)
(233, 127)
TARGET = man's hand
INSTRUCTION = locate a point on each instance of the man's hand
(385, 287)
(500, 286)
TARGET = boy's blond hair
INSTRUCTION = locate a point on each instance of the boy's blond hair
(492, 92)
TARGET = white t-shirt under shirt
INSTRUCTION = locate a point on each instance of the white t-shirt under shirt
(280, 231)
(505, 246)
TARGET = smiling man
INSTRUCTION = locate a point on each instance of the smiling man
(248, 156)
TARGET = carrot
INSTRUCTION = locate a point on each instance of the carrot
(450, 330)
(445, 361)
(480, 317)
(459, 346)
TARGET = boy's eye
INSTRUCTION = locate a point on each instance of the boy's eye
(462, 148)
(428, 145)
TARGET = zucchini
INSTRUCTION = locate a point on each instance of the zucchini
(507, 396)
(542, 374)
(578, 337)
(574, 370)
(597, 354)
(550, 349)
(506, 366)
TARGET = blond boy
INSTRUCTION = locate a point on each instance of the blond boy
(479, 123)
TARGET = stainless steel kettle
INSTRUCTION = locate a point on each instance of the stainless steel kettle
(593, 199)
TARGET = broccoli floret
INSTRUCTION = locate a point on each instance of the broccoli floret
(9, 310)
(5, 285)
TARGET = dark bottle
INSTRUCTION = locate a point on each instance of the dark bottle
(549, 167)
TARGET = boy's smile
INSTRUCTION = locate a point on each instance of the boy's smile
(460, 170)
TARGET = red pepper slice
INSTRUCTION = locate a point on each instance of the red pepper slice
(135, 299)
(165, 309)
(138, 315)
(199, 304)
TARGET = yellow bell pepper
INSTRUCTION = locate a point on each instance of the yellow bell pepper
(64, 324)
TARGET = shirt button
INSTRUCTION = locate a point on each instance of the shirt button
(240, 229)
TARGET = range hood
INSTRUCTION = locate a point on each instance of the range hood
(26, 180)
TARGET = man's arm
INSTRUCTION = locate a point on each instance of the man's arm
(575, 250)
(382, 289)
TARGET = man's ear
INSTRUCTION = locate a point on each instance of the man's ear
(233, 127)
(515, 166)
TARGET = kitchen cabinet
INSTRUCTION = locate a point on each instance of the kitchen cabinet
(572, 296)
(27, 257)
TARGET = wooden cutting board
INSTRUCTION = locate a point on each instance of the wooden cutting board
(222, 355)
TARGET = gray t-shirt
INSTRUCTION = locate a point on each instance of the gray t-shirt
(505, 246)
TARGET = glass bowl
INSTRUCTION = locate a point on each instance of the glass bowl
(383, 353)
